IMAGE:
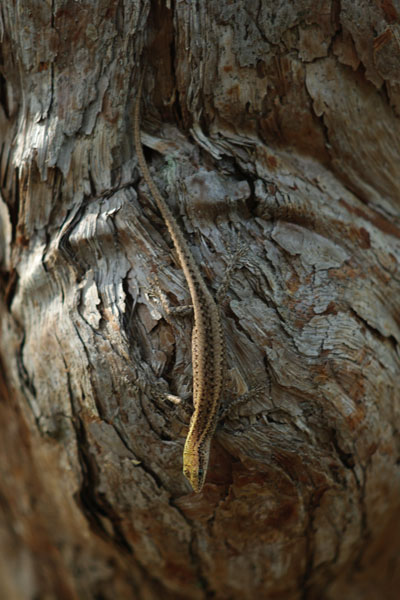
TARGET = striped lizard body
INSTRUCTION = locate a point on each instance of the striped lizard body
(208, 346)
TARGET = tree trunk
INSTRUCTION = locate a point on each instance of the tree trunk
(269, 126)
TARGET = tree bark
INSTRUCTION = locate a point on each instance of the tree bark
(272, 126)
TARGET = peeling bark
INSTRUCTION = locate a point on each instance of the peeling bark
(273, 125)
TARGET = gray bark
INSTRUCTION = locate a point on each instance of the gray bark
(271, 125)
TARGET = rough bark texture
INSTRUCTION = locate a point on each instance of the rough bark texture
(275, 121)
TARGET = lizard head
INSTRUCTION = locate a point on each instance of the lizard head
(195, 463)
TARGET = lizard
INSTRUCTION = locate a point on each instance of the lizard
(208, 344)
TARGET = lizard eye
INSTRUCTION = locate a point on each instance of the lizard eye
(201, 473)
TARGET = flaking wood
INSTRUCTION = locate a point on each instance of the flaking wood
(274, 126)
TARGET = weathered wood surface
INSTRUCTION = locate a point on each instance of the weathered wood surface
(275, 122)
